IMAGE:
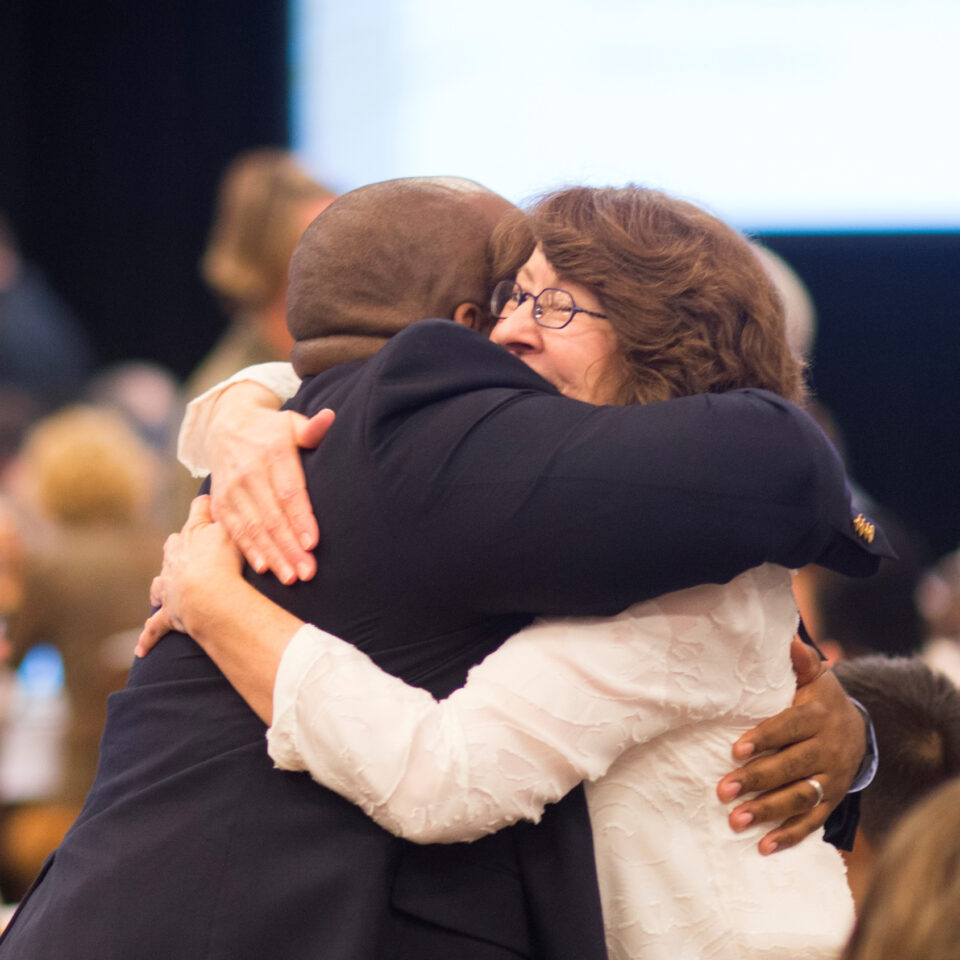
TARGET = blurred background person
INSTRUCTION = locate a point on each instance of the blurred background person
(44, 351)
(147, 396)
(45, 355)
(938, 599)
(85, 482)
(264, 203)
(916, 718)
(11, 553)
(799, 313)
(912, 906)
(851, 619)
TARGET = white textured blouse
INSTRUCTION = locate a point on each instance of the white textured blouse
(643, 706)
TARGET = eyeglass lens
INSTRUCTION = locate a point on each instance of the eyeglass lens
(551, 307)
(505, 299)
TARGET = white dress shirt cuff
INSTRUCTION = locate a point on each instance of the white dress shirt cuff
(303, 650)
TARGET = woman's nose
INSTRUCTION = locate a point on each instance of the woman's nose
(518, 332)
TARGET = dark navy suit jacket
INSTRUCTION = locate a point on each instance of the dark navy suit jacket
(458, 496)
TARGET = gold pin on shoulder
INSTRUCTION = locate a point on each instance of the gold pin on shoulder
(864, 528)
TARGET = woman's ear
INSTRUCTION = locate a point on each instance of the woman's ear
(468, 315)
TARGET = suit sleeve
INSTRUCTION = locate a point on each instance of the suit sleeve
(527, 501)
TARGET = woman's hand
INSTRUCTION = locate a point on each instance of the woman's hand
(821, 737)
(258, 488)
(198, 563)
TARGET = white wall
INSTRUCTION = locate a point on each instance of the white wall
(776, 114)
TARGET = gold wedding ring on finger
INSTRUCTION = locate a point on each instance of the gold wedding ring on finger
(819, 789)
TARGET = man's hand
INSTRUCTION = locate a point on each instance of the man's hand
(821, 737)
(258, 489)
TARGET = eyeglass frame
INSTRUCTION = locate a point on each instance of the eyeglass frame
(525, 295)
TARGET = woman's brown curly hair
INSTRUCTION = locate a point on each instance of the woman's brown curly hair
(692, 307)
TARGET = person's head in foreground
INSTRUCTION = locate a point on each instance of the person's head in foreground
(916, 717)
(912, 906)
(639, 297)
(385, 255)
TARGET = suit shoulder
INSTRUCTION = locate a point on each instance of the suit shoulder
(442, 358)
(325, 389)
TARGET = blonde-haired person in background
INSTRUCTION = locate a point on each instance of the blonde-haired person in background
(85, 465)
(264, 203)
(912, 906)
(84, 484)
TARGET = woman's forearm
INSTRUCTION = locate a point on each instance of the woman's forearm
(245, 634)
(556, 704)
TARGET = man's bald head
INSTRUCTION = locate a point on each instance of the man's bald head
(384, 255)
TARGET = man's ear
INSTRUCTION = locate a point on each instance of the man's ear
(468, 315)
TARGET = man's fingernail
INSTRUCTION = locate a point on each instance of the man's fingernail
(258, 564)
(770, 848)
(304, 571)
(744, 749)
(741, 820)
(306, 541)
(730, 790)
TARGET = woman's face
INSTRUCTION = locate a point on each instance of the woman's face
(574, 358)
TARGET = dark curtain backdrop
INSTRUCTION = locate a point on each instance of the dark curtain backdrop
(117, 118)
(887, 365)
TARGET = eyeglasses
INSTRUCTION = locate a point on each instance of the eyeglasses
(552, 308)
